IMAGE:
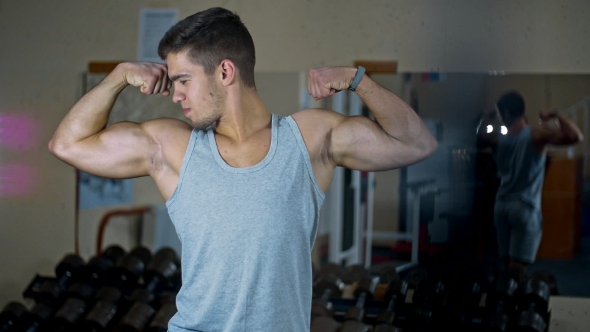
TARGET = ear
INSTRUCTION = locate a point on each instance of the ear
(228, 72)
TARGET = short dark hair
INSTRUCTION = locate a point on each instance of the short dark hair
(211, 36)
(511, 106)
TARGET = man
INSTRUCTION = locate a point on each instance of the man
(520, 157)
(243, 186)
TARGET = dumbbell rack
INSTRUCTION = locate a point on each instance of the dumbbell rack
(153, 292)
(375, 306)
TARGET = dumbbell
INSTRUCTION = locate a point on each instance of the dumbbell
(11, 315)
(113, 253)
(100, 317)
(52, 294)
(463, 300)
(324, 324)
(136, 319)
(167, 309)
(79, 296)
(414, 276)
(354, 273)
(354, 316)
(395, 295)
(549, 278)
(533, 306)
(136, 311)
(328, 286)
(160, 269)
(48, 290)
(46, 296)
(329, 269)
(501, 303)
(129, 268)
(428, 299)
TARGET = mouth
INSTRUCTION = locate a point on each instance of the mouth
(186, 110)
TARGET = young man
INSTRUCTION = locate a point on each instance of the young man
(520, 157)
(243, 186)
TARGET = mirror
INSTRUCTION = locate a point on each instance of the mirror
(459, 216)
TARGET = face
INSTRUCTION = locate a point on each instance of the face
(200, 96)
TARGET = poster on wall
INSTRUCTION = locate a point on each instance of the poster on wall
(95, 191)
(153, 24)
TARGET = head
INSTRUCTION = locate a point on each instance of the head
(206, 52)
(511, 107)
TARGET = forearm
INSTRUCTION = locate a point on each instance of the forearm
(394, 116)
(569, 128)
(90, 114)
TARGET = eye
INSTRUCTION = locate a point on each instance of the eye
(183, 82)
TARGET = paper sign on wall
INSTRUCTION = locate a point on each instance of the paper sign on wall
(153, 24)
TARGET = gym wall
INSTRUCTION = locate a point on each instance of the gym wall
(46, 45)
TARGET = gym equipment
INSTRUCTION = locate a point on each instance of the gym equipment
(396, 296)
(10, 315)
(46, 293)
(322, 306)
(463, 300)
(428, 299)
(67, 316)
(129, 268)
(354, 316)
(547, 277)
(329, 269)
(387, 274)
(163, 315)
(501, 303)
(160, 269)
(324, 324)
(100, 317)
(113, 253)
(533, 306)
(137, 318)
(354, 273)
(329, 285)
(416, 275)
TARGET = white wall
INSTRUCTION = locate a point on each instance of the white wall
(47, 44)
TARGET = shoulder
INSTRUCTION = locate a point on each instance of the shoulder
(167, 130)
(317, 120)
(169, 139)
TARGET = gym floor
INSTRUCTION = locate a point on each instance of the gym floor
(572, 275)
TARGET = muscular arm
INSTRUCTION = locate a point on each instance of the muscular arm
(123, 150)
(567, 133)
(396, 138)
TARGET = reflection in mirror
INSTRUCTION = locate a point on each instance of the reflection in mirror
(457, 218)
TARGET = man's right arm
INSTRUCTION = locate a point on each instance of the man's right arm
(123, 150)
(567, 133)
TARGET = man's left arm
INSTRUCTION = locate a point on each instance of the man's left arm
(396, 138)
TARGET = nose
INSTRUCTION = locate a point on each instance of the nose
(178, 96)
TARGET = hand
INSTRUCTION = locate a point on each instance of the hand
(547, 114)
(326, 81)
(151, 78)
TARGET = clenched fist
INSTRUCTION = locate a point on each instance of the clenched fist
(149, 77)
(326, 81)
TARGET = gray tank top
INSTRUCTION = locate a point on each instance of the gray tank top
(521, 167)
(247, 235)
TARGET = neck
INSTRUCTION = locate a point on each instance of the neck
(517, 126)
(244, 114)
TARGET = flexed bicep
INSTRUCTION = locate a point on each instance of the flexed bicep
(360, 143)
(120, 151)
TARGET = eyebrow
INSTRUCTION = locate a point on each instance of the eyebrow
(176, 77)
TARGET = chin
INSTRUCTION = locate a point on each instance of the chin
(202, 124)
